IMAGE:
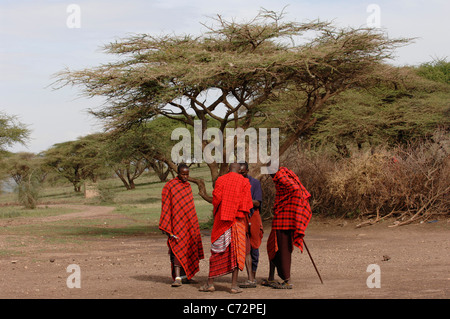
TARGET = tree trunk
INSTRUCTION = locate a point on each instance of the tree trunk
(158, 167)
(130, 178)
(132, 185)
(122, 178)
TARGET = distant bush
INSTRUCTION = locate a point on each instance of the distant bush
(313, 169)
(408, 182)
(437, 70)
(106, 192)
(28, 192)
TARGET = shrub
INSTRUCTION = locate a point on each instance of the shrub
(28, 192)
(313, 169)
(438, 70)
(106, 192)
(407, 182)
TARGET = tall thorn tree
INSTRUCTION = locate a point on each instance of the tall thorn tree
(231, 73)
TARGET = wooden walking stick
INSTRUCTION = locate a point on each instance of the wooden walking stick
(304, 243)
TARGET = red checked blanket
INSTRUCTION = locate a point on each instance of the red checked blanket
(232, 200)
(291, 207)
(179, 218)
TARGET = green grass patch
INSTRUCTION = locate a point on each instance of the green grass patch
(10, 253)
(17, 211)
(138, 211)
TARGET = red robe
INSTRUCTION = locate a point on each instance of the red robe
(232, 200)
(179, 218)
(291, 208)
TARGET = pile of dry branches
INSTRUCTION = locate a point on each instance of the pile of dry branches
(409, 183)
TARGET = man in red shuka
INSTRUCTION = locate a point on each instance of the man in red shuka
(179, 221)
(292, 214)
(232, 200)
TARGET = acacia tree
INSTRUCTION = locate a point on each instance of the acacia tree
(27, 171)
(77, 160)
(12, 131)
(121, 155)
(19, 167)
(132, 151)
(232, 73)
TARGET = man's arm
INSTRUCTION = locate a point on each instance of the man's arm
(287, 182)
(247, 202)
(257, 193)
(165, 221)
(217, 195)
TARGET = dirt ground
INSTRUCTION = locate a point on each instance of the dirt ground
(413, 261)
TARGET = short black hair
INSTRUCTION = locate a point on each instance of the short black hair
(182, 165)
(244, 163)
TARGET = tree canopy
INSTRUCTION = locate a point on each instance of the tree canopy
(12, 131)
(233, 72)
(131, 152)
(77, 160)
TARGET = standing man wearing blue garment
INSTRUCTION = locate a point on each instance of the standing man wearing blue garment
(254, 229)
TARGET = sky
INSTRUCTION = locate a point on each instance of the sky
(40, 38)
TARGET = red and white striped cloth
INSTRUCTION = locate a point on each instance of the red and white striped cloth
(232, 200)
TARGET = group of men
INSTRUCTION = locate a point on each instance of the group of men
(237, 228)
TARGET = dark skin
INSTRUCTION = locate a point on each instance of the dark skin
(248, 258)
(234, 167)
(244, 172)
(183, 175)
(271, 277)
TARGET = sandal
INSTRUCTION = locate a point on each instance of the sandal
(177, 282)
(236, 290)
(268, 283)
(207, 288)
(248, 284)
(283, 285)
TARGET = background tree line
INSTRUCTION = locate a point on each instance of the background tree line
(333, 97)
